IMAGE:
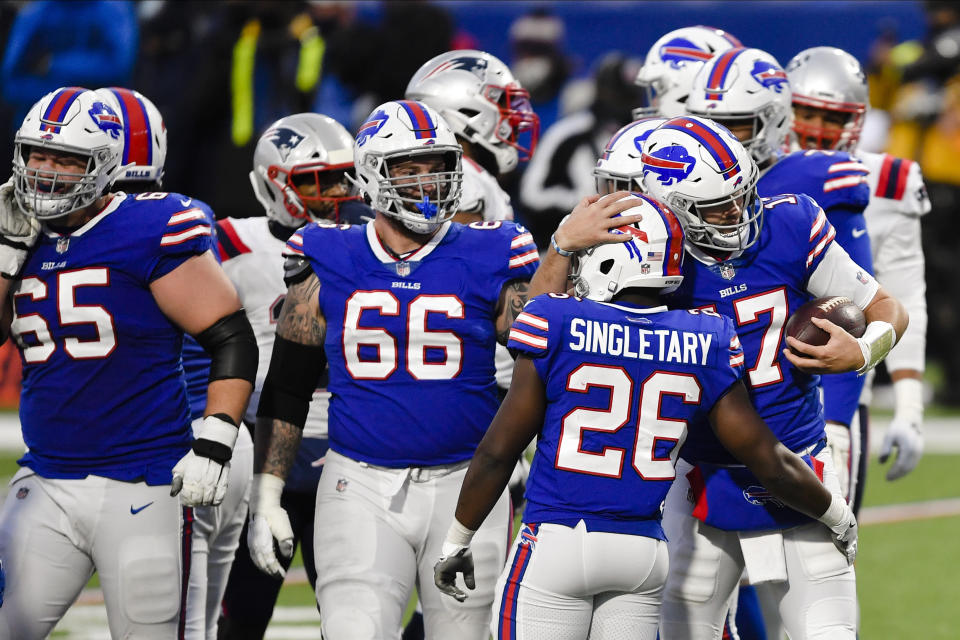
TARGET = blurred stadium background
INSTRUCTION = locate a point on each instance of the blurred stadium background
(221, 71)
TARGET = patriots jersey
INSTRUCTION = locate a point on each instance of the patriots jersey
(482, 194)
(624, 387)
(410, 342)
(103, 388)
(196, 361)
(251, 257)
(759, 289)
(839, 184)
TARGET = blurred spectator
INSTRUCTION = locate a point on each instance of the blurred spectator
(55, 44)
(561, 170)
(924, 107)
(540, 62)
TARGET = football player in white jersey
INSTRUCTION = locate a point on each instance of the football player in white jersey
(829, 103)
(299, 175)
(100, 307)
(216, 530)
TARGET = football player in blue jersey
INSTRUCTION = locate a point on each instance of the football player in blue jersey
(756, 260)
(611, 384)
(406, 309)
(300, 174)
(99, 311)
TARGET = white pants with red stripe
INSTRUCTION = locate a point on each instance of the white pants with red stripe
(216, 536)
(378, 533)
(815, 589)
(570, 584)
(55, 533)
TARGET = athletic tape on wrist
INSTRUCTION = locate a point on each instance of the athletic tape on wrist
(875, 344)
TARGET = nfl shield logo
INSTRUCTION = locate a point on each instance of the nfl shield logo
(63, 244)
(22, 493)
(645, 269)
(342, 485)
(403, 269)
(727, 272)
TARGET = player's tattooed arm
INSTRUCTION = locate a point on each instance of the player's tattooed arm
(276, 441)
(512, 299)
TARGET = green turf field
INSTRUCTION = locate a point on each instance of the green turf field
(907, 571)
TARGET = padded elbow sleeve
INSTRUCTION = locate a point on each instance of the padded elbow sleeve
(232, 347)
(294, 372)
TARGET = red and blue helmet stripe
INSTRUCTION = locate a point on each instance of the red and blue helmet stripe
(137, 134)
(729, 37)
(718, 74)
(717, 147)
(673, 261)
(58, 107)
(423, 124)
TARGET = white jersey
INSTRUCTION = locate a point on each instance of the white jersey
(482, 194)
(898, 199)
(251, 257)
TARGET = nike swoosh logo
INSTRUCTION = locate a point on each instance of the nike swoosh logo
(858, 232)
(186, 202)
(136, 511)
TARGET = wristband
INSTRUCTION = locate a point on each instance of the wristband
(458, 537)
(908, 400)
(875, 344)
(835, 513)
(556, 247)
(267, 489)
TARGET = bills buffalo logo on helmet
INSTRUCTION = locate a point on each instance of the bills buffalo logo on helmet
(769, 76)
(285, 140)
(106, 118)
(371, 127)
(476, 66)
(670, 164)
(640, 139)
(679, 51)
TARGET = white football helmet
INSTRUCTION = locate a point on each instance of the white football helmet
(69, 120)
(481, 101)
(831, 79)
(619, 168)
(404, 130)
(144, 135)
(653, 258)
(697, 167)
(299, 150)
(746, 85)
(671, 64)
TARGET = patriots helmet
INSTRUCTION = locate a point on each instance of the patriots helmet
(671, 64)
(743, 87)
(144, 135)
(297, 159)
(652, 258)
(397, 132)
(619, 167)
(482, 102)
(706, 176)
(74, 121)
(830, 79)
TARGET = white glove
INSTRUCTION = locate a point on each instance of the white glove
(905, 432)
(841, 521)
(268, 520)
(200, 477)
(18, 232)
(455, 557)
(838, 439)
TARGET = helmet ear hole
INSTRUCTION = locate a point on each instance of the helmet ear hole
(606, 266)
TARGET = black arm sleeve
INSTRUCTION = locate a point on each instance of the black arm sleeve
(292, 377)
(232, 347)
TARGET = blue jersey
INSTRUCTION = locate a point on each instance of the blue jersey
(624, 387)
(103, 389)
(196, 361)
(759, 289)
(838, 182)
(410, 343)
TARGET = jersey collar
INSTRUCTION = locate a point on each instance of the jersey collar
(386, 257)
(622, 307)
(115, 201)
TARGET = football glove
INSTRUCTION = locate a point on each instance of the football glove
(843, 525)
(200, 477)
(18, 232)
(268, 520)
(454, 559)
(905, 431)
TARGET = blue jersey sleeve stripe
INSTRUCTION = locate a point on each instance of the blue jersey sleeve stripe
(528, 339)
(182, 236)
(822, 245)
(524, 258)
(522, 240)
(534, 321)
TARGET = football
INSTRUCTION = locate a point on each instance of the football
(839, 310)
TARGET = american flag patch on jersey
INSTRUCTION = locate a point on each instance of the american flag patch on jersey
(188, 224)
